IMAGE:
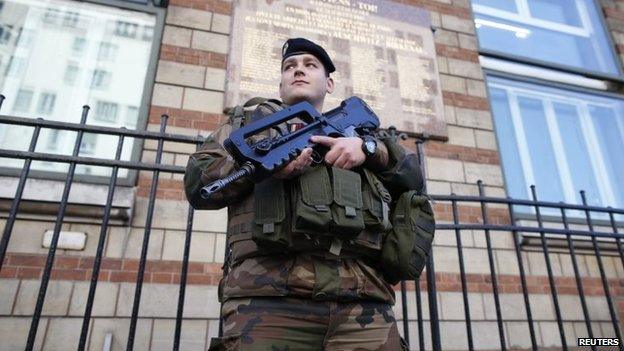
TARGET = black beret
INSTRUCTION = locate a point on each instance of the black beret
(296, 46)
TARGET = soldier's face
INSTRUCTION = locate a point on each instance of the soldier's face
(304, 79)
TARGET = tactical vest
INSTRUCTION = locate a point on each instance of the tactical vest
(326, 210)
(334, 213)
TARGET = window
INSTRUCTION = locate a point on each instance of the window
(25, 37)
(5, 34)
(22, 101)
(76, 46)
(46, 104)
(16, 67)
(52, 142)
(51, 15)
(561, 33)
(107, 52)
(88, 143)
(71, 74)
(561, 141)
(100, 79)
(106, 112)
(148, 33)
(70, 19)
(126, 29)
(132, 115)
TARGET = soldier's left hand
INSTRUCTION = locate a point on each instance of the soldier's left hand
(345, 153)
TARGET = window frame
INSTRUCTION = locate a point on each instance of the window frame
(561, 67)
(521, 215)
(130, 179)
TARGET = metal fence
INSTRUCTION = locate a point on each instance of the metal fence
(455, 214)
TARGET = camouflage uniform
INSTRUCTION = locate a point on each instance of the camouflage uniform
(298, 301)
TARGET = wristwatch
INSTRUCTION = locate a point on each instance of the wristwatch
(369, 145)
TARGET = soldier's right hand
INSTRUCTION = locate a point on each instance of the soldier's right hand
(296, 166)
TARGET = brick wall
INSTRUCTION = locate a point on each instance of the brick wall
(189, 87)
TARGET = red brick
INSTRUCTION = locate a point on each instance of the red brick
(164, 266)
(508, 279)
(195, 267)
(183, 123)
(69, 274)
(157, 111)
(217, 6)
(162, 278)
(169, 195)
(119, 276)
(130, 265)
(8, 272)
(204, 125)
(436, 6)
(61, 262)
(465, 101)
(86, 262)
(29, 273)
(27, 260)
(162, 183)
(103, 276)
(199, 279)
(213, 268)
(111, 263)
(470, 214)
(457, 53)
(463, 153)
(193, 56)
(613, 13)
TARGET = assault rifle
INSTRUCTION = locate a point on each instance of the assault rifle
(258, 159)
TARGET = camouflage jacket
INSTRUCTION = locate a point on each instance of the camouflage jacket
(255, 272)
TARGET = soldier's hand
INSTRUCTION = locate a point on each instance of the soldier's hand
(296, 166)
(345, 153)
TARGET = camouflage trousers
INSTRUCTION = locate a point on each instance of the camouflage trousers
(293, 324)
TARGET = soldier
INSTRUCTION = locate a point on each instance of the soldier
(325, 289)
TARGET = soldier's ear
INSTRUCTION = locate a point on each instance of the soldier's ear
(329, 85)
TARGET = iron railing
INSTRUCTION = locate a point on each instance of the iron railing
(455, 214)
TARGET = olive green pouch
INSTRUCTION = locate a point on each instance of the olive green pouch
(376, 203)
(312, 197)
(406, 247)
(347, 218)
(270, 228)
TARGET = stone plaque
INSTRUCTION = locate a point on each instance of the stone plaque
(383, 52)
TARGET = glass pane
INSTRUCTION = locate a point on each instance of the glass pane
(577, 153)
(552, 32)
(562, 141)
(610, 135)
(542, 156)
(101, 55)
(505, 5)
(505, 132)
(564, 12)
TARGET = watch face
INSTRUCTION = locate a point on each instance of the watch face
(370, 145)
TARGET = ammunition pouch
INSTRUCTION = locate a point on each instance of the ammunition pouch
(312, 198)
(406, 247)
(328, 204)
(376, 203)
(270, 228)
(323, 210)
(347, 218)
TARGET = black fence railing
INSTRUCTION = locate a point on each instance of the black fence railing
(456, 214)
